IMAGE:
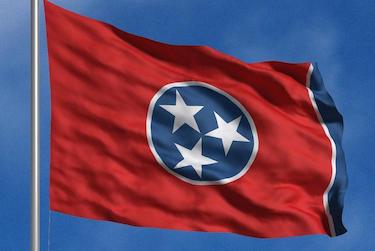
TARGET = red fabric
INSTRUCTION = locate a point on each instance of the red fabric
(102, 80)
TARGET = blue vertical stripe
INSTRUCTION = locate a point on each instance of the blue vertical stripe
(334, 122)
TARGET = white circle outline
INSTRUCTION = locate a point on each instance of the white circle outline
(160, 161)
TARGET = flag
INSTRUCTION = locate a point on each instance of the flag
(186, 137)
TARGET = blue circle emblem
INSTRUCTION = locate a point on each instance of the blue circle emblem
(200, 133)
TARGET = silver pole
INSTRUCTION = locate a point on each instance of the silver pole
(35, 196)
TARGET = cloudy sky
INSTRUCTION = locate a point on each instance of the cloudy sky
(338, 35)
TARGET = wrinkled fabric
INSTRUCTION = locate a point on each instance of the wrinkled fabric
(102, 81)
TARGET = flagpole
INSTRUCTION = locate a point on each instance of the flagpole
(35, 169)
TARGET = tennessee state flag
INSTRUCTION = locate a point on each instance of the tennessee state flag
(186, 137)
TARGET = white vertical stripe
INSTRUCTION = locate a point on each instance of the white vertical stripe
(333, 157)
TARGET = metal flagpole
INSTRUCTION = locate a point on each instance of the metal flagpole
(35, 196)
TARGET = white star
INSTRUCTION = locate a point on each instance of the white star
(227, 132)
(183, 114)
(193, 158)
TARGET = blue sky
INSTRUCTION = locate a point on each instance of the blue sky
(339, 35)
